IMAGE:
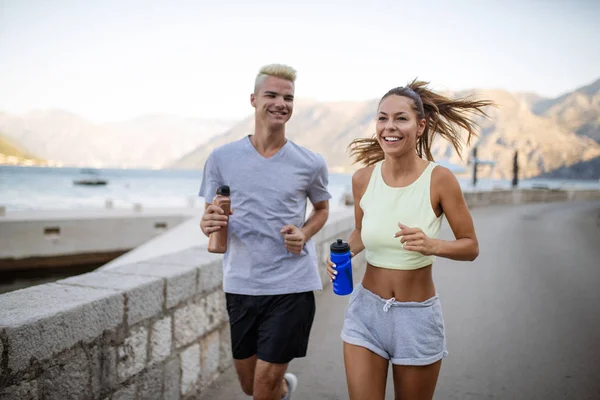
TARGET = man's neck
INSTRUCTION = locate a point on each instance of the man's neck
(268, 141)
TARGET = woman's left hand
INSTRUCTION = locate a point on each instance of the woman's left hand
(413, 239)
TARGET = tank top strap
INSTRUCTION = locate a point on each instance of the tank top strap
(374, 182)
(429, 169)
(376, 175)
(425, 179)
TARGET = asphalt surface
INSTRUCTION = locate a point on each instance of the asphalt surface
(522, 321)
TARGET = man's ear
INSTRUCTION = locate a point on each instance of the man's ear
(253, 100)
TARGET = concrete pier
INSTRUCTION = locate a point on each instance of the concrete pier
(71, 238)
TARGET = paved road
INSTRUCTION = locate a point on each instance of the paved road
(523, 320)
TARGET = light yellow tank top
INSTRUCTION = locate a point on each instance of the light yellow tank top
(384, 206)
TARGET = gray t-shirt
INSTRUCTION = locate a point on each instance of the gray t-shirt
(266, 195)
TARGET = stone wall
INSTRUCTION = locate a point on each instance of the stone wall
(524, 196)
(151, 330)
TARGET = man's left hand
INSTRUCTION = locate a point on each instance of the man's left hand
(294, 238)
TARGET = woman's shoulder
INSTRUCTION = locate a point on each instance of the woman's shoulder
(362, 175)
(361, 178)
(442, 175)
(444, 182)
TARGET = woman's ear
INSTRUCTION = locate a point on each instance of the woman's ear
(421, 127)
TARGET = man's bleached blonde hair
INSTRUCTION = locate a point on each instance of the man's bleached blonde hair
(277, 70)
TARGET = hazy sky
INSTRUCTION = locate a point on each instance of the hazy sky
(109, 60)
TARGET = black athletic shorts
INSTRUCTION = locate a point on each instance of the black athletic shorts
(274, 327)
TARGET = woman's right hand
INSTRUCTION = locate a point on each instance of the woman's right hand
(331, 269)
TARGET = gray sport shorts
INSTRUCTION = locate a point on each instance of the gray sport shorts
(406, 333)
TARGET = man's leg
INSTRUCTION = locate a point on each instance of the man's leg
(243, 320)
(283, 334)
(268, 381)
(245, 370)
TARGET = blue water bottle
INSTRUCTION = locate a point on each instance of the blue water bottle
(340, 256)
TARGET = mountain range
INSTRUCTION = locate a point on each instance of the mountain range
(547, 133)
(150, 141)
(13, 153)
(552, 135)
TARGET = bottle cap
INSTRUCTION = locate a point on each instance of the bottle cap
(223, 190)
(339, 246)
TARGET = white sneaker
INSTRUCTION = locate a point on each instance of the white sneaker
(292, 384)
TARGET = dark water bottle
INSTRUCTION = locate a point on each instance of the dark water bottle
(217, 241)
(340, 256)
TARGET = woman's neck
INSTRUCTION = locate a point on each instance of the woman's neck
(402, 167)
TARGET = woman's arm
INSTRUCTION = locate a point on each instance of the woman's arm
(465, 247)
(360, 181)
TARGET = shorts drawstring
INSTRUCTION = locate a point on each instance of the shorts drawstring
(388, 304)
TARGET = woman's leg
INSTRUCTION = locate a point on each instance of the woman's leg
(366, 373)
(415, 382)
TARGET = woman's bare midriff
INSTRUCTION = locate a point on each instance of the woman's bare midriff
(403, 285)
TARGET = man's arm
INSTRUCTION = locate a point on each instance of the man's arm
(319, 196)
(212, 219)
(316, 219)
(295, 238)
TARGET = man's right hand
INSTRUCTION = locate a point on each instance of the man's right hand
(213, 219)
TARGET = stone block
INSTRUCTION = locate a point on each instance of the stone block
(1, 355)
(145, 296)
(160, 340)
(67, 378)
(44, 320)
(190, 369)
(328, 232)
(132, 354)
(225, 356)
(150, 385)
(210, 357)
(224, 317)
(215, 310)
(103, 364)
(210, 277)
(23, 391)
(323, 253)
(192, 257)
(191, 322)
(171, 384)
(126, 393)
(345, 224)
(180, 280)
